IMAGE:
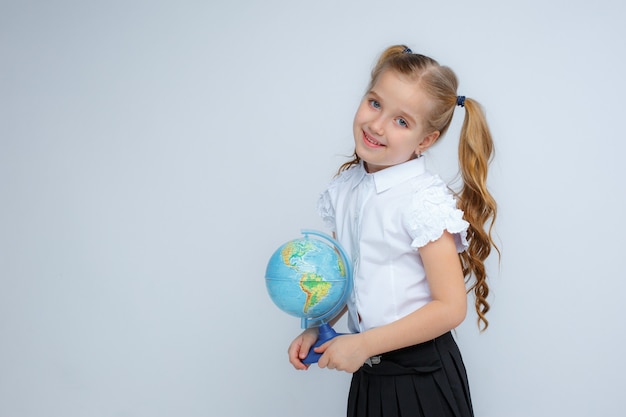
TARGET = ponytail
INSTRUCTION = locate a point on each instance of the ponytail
(478, 205)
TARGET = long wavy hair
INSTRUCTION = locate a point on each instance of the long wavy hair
(475, 153)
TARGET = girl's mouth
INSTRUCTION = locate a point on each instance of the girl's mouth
(370, 141)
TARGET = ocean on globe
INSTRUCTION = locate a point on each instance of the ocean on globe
(308, 278)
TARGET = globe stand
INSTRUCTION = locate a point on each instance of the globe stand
(326, 333)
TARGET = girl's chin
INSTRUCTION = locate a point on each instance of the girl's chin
(370, 169)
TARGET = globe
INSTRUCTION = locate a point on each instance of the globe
(310, 278)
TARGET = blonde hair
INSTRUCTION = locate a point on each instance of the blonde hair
(475, 154)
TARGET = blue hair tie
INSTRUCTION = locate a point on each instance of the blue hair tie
(407, 51)
(460, 101)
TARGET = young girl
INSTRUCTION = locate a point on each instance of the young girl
(412, 243)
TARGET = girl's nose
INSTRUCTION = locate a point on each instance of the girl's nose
(377, 125)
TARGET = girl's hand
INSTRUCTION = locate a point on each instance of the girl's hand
(300, 347)
(343, 353)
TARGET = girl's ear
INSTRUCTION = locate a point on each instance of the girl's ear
(428, 141)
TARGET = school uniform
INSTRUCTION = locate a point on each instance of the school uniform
(381, 219)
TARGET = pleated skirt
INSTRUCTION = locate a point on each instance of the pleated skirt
(425, 380)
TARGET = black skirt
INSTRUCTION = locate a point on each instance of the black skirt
(425, 380)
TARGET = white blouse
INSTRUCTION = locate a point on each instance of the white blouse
(381, 219)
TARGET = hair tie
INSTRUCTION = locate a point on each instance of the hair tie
(407, 51)
(460, 101)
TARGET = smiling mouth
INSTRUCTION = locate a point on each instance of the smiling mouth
(371, 141)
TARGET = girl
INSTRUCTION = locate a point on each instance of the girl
(412, 244)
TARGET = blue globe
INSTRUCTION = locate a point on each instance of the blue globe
(308, 278)
(311, 279)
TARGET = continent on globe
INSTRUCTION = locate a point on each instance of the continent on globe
(294, 252)
(315, 288)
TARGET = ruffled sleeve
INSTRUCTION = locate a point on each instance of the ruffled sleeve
(326, 210)
(328, 199)
(432, 211)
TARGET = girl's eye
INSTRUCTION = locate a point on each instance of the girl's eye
(402, 122)
(375, 104)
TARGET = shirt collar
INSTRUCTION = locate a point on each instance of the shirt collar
(394, 175)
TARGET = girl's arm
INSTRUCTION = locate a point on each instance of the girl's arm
(445, 312)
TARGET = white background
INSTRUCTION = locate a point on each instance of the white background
(154, 154)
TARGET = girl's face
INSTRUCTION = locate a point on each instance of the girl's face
(389, 123)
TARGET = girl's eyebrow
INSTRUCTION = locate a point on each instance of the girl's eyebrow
(372, 93)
